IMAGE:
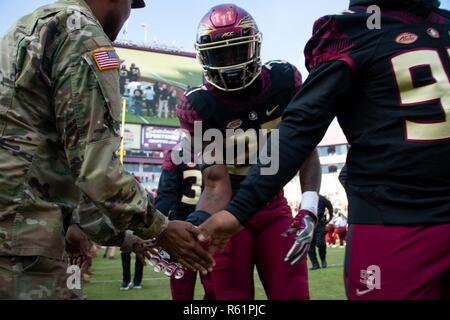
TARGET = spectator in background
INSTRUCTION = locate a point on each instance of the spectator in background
(157, 89)
(126, 268)
(173, 101)
(138, 99)
(341, 228)
(123, 79)
(110, 253)
(135, 73)
(138, 265)
(149, 98)
(164, 102)
(324, 215)
(330, 239)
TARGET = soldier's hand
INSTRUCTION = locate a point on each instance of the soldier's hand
(180, 240)
(78, 247)
(218, 230)
(144, 249)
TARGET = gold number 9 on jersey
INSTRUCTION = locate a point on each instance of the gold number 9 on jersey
(196, 187)
(410, 95)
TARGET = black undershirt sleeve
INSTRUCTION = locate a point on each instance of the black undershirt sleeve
(167, 192)
(304, 124)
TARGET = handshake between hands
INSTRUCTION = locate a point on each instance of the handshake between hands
(191, 244)
(213, 232)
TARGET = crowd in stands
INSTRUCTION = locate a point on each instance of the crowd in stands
(145, 98)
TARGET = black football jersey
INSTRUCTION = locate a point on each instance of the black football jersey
(259, 107)
(179, 189)
(390, 89)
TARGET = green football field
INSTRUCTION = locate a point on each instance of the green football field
(325, 284)
(132, 118)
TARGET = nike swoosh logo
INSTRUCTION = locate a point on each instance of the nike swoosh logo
(364, 292)
(269, 112)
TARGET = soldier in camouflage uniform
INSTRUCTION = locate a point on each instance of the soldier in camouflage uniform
(99, 228)
(59, 133)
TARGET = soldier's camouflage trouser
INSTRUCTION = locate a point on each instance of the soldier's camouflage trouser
(35, 278)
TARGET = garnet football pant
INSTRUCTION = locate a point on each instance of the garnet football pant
(342, 234)
(330, 234)
(393, 263)
(261, 244)
(183, 289)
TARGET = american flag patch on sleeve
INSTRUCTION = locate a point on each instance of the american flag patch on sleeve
(106, 59)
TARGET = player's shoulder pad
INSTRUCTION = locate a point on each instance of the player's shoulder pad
(284, 73)
(190, 99)
(279, 66)
(195, 91)
(330, 41)
(198, 100)
(444, 13)
(168, 164)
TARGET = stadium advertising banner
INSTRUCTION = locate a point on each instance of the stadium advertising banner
(159, 138)
(132, 138)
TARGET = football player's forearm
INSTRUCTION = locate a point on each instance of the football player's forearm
(311, 174)
(214, 199)
(217, 192)
(304, 124)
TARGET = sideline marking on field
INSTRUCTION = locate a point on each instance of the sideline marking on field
(145, 120)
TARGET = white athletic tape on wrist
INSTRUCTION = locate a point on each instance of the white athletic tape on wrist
(310, 201)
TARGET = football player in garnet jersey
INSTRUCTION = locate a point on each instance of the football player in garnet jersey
(390, 89)
(241, 93)
(178, 192)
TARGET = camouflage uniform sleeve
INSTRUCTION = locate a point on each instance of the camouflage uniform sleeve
(87, 112)
(129, 242)
(99, 228)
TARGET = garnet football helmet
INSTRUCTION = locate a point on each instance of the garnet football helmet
(229, 47)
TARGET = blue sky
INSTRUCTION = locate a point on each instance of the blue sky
(286, 24)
